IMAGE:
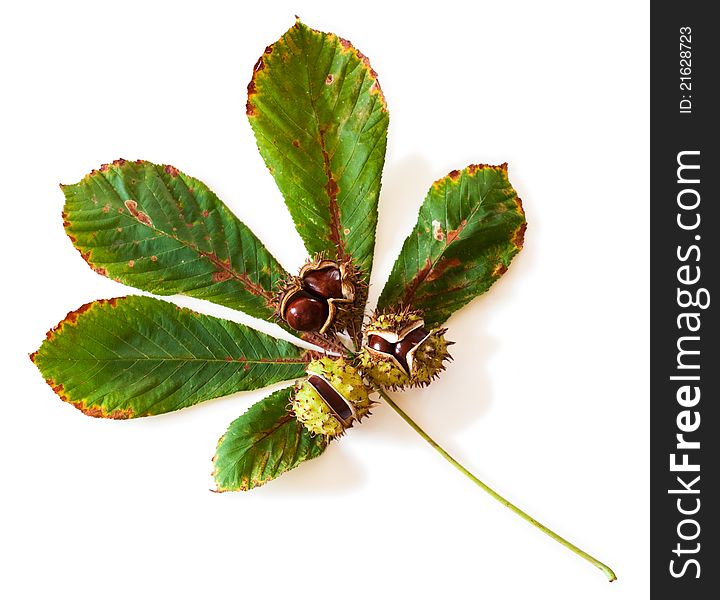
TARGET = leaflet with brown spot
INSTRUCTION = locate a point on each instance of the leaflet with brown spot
(478, 226)
(188, 241)
(321, 127)
(132, 207)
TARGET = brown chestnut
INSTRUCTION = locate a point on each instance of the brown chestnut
(410, 341)
(326, 283)
(336, 403)
(380, 344)
(306, 313)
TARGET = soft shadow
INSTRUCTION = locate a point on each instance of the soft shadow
(457, 399)
(463, 394)
(334, 472)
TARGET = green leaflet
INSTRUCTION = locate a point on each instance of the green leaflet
(152, 227)
(470, 227)
(137, 356)
(320, 121)
(262, 444)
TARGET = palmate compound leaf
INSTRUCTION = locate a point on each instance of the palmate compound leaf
(469, 228)
(262, 444)
(320, 121)
(153, 227)
(136, 356)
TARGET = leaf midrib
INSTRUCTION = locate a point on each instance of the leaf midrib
(266, 433)
(461, 228)
(298, 361)
(334, 224)
(242, 278)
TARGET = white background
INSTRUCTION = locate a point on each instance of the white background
(548, 396)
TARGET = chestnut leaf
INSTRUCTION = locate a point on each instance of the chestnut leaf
(262, 444)
(137, 356)
(320, 122)
(154, 228)
(470, 226)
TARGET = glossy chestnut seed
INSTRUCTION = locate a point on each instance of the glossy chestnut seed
(406, 344)
(380, 344)
(337, 404)
(326, 283)
(306, 313)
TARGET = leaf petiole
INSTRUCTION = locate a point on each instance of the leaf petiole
(592, 560)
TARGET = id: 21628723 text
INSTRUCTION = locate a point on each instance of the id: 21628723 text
(685, 57)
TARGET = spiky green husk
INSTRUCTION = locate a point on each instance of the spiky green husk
(429, 358)
(312, 411)
(382, 372)
(393, 321)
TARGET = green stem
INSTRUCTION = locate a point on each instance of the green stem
(594, 561)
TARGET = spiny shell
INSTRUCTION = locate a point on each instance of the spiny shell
(341, 311)
(314, 412)
(424, 361)
(347, 275)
